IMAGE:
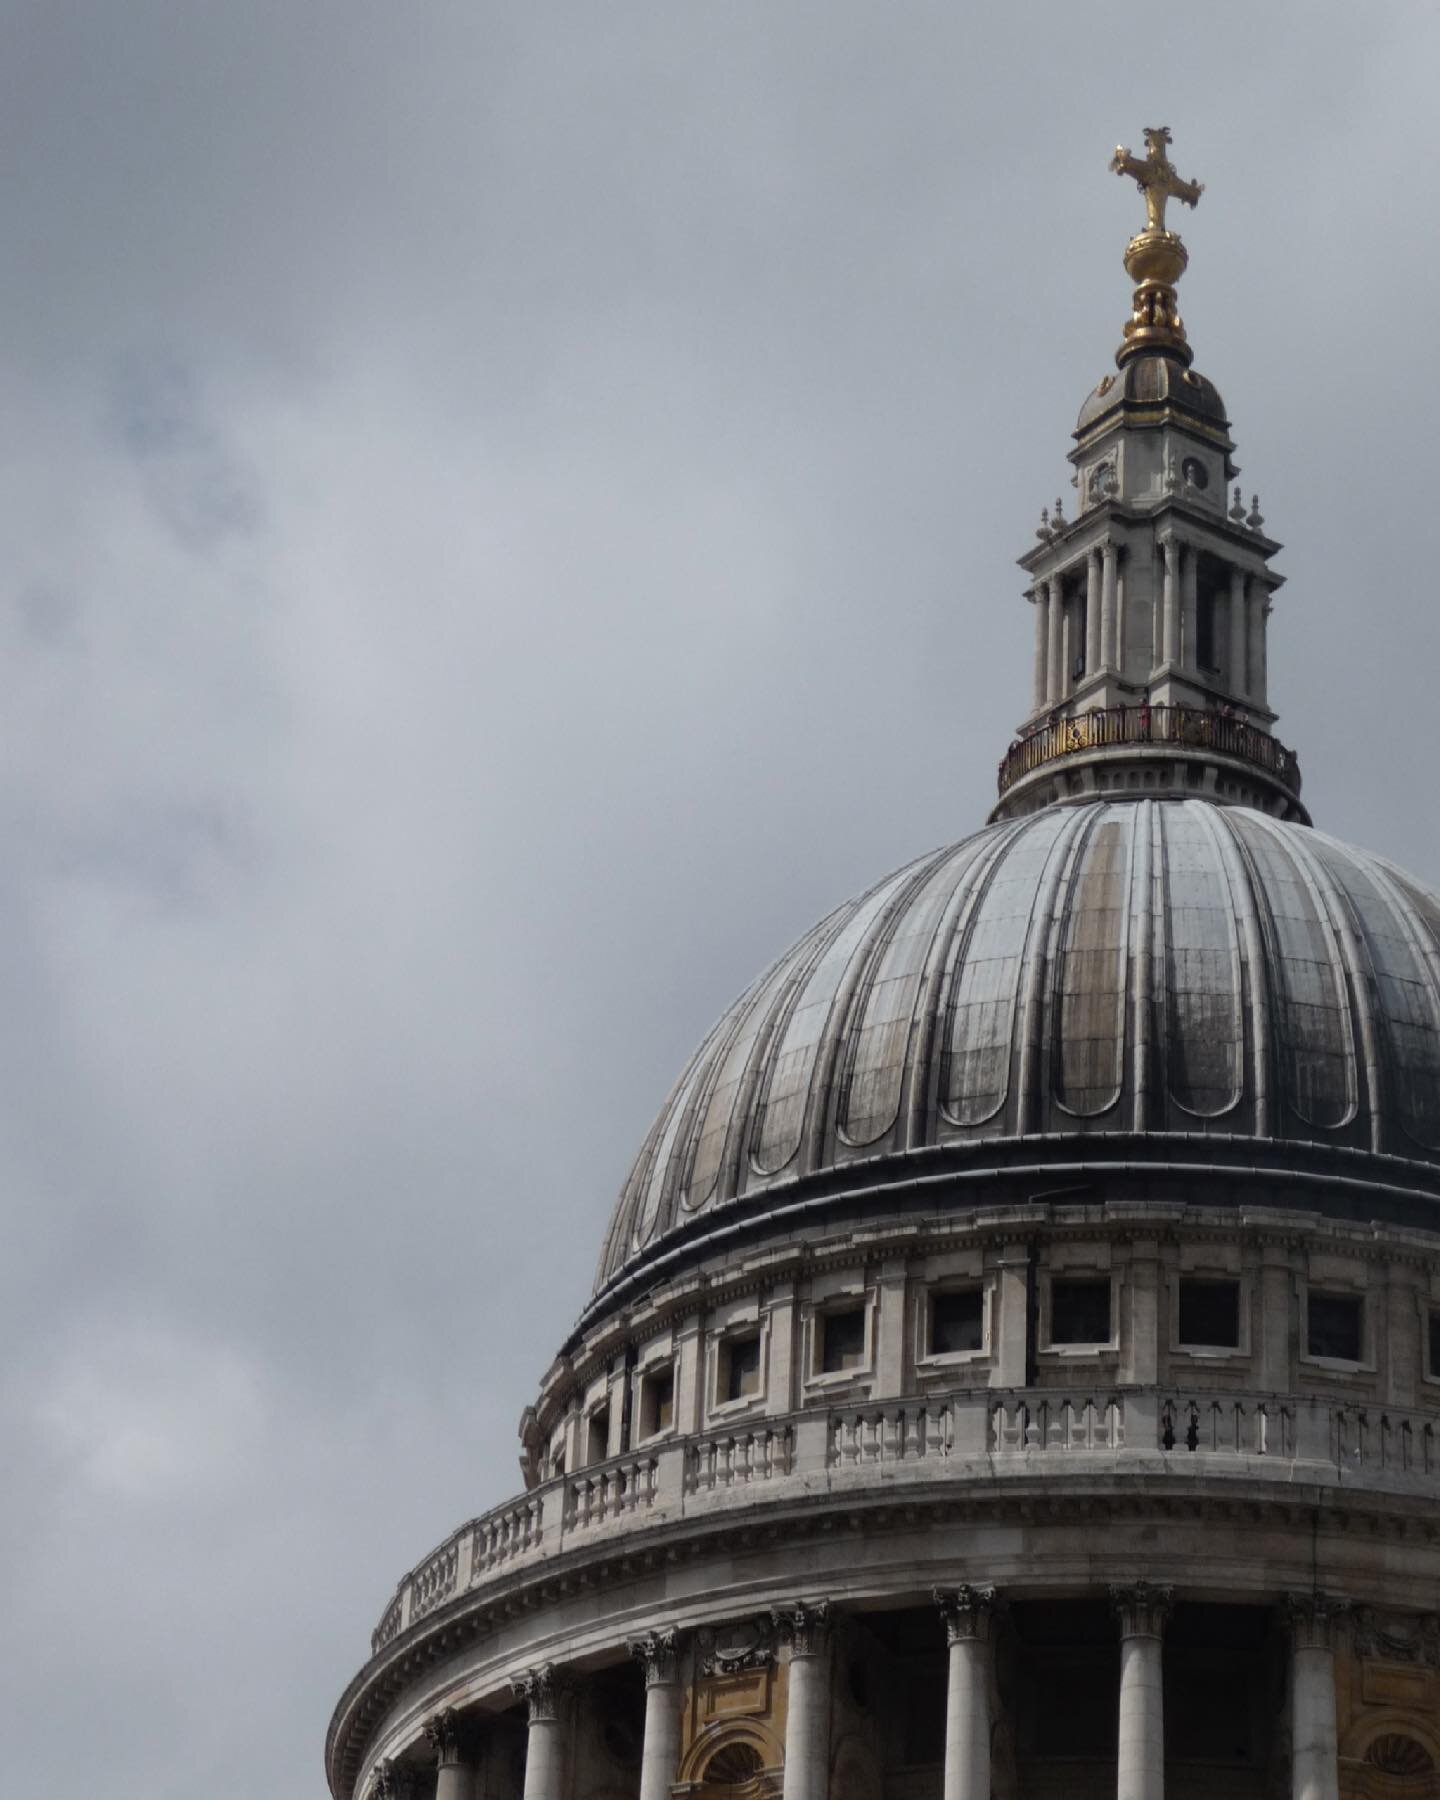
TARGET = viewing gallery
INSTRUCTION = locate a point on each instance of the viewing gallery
(1013, 1367)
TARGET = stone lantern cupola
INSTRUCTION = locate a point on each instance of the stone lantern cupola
(1152, 602)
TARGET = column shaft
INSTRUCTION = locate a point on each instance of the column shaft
(807, 1715)
(1170, 604)
(1042, 645)
(660, 1757)
(1239, 634)
(1141, 1769)
(967, 1614)
(1259, 677)
(544, 1761)
(1187, 648)
(1055, 660)
(1109, 622)
(1140, 1772)
(1092, 612)
(1315, 1768)
(1314, 1741)
(454, 1781)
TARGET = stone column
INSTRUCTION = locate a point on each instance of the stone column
(1187, 644)
(454, 1773)
(1314, 1746)
(1039, 601)
(1255, 668)
(658, 1653)
(1239, 633)
(1170, 602)
(1142, 1611)
(967, 1614)
(1109, 613)
(545, 1697)
(807, 1717)
(1093, 651)
(1055, 658)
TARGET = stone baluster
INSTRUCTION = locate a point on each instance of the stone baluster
(1142, 1611)
(1055, 657)
(454, 1770)
(1170, 602)
(807, 1718)
(1314, 1752)
(1093, 620)
(658, 1654)
(967, 1613)
(1239, 633)
(1109, 608)
(546, 1698)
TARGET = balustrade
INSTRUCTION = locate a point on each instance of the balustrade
(940, 1437)
(1187, 727)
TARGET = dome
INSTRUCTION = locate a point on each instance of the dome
(1154, 380)
(1131, 967)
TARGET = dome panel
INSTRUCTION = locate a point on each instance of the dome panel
(1315, 1027)
(1204, 1027)
(780, 1113)
(981, 1019)
(1108, 966)
(877, 1043)
(1089, 1038)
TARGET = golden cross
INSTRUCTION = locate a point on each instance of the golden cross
(1155, 176)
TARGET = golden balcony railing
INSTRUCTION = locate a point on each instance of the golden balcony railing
(1185, 727)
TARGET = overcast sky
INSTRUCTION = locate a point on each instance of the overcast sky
(508, 514)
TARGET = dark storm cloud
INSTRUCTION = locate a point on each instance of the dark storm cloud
(510, 514)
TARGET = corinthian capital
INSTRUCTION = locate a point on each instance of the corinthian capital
(805, 1624)
(543, 1690)
(1142, 1608)
(1313, 1619)
(443, 1732)
(658, 1653)
(967, 1612)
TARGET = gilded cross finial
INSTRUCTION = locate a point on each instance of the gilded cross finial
(1155, 258)
(1155, 176)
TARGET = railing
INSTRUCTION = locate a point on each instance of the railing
(736, 1459)
(868, 1435)
(969, 1436)
(1192, 727)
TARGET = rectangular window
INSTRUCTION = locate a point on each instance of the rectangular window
(957, 1322)
(1209, 1313)
(657, 1402)
(740, 1367)
(842, 1340)
(597, 1435)
(1333, 1326)
(1079, 1311)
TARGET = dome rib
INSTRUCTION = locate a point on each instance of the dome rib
(1113, 966)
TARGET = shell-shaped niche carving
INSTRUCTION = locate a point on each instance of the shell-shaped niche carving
(1396, 1754)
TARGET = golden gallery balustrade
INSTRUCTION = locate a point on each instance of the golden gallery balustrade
(1184, 727)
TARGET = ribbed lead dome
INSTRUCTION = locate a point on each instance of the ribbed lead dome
(1140, 966)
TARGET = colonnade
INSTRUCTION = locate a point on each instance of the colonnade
(968, 1615)
(1176, 623)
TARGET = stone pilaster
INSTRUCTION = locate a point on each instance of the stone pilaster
(1142, 1611)
(1110, 657)
(1055, 658)
(1313, 1620)
(806, 1625)
(1239, 624)
(1093, 636)
(967, 1613)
